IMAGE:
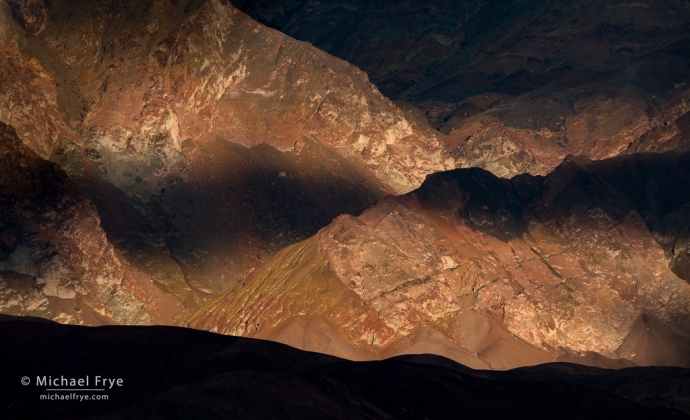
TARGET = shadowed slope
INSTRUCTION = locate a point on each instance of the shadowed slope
(55, 260)
(515, 272)
(448, 50)
(178, 373)
(516, 85)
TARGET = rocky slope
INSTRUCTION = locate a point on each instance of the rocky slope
(517, 85)
(206, 141)
(55, 260)
(179, 373)
(199, 70)
(578, 265)
(443, 50)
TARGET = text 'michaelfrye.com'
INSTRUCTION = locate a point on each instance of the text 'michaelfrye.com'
(61, 388)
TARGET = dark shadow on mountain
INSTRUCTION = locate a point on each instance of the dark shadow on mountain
(446, 51)
(480, 199)
(657, 186)
(230, 209)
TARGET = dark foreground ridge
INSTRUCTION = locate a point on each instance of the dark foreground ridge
(176, 373)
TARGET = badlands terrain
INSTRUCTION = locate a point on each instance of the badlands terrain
(442, 208)
(504, 184)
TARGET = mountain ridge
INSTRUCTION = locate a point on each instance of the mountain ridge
(547, 266)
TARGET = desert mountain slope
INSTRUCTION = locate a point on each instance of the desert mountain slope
(447, 51)
(193, 145)
(515, 271)
(206, 141)
(517, 85)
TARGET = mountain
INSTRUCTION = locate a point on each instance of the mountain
(584, 264)
(177, 162)
(179, 373)
(446, 51)
(206, 141)
(516, 85)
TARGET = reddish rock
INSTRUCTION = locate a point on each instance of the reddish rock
(514, 272)
(207, 143)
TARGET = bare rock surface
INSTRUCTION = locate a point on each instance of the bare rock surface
(514, 272)
(55, 260)
(168, 151)
(516, 85)
(206, 141)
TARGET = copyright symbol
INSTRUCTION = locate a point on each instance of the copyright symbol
(26, 381)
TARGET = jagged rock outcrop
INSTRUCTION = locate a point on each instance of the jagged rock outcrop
(534, 132)
(514, 272)
(200, 70)
(28, 93)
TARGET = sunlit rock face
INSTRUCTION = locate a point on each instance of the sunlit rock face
(28, 94)
(517, 85)
(130, 74)
(206, 141)
(512, 272)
